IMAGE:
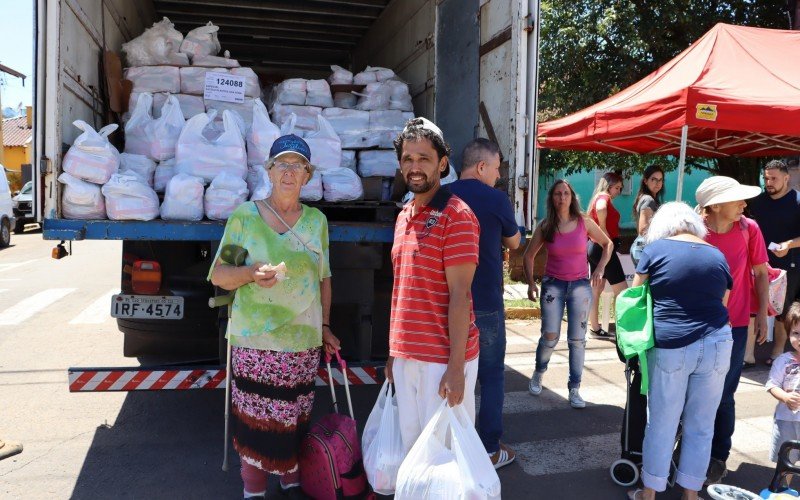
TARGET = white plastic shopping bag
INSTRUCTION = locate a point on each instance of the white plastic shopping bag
(92, 158)
(81, 200)
(382, 444)
(261, 135)
(326, 147)
(448, 461)
(312, 191)
(341, 184)
(183, 199)
(225, 193)
(138, 165)
(137, 138)
(129, 198)
(163, 132)
(164, 172)
(203, 156)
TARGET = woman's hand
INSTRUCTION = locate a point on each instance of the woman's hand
(329, 340)
(597, 276)
(264, 279)
(533, 292)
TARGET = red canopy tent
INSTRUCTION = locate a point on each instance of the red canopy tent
(734, 92)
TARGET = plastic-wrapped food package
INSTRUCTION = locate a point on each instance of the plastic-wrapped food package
(378, 163)
(138, 165)
(183, 199)
(225, 193)
(164, 172)
(340, 76)
(341, 184)
(262, 188)
(386, 138)
(346, 121)
(154, 79)
(243, 111)
(191, 105)
(291, 91)
(372, 75)
(193, 78)
(165, 130)
(375, 96)
(386, 120)
(312, 191)
(81, 199)
(326, 147)
(261, 135)
(91, 157)
(252, 88)
(400, 97)
(137, 138)
(360, 139)
(345, 100)
(215, 61)
(349, 159)
(306, 117)
(318, 93)
(129, 198)
(158, 44)
(201, 41)
(206, 157)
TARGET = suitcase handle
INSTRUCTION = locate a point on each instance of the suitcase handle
(343, 366)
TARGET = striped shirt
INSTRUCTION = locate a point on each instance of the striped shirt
(443, 233)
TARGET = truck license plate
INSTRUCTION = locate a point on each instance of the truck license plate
(146, 307)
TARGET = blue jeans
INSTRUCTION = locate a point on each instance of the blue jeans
(491, 367)
(685, 381)
(576, 297)
(726, 414)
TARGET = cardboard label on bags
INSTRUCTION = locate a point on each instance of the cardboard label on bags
(224, 87)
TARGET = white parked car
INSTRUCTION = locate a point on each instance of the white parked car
(7, 218)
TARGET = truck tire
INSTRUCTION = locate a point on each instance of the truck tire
(5, 233)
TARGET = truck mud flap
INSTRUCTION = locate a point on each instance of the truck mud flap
(183, 378)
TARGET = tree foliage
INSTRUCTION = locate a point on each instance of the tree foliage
(591, 49)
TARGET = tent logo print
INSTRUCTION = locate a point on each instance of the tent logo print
(706, 112)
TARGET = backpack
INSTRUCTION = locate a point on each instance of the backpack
(777, 280)
(330, 454)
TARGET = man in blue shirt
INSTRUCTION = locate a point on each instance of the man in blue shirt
(480, 171)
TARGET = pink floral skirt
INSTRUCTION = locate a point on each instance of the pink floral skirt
(272, 394)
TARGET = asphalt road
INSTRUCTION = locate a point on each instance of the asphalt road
(153, 445)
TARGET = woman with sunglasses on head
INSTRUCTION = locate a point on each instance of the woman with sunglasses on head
(648, 199)
(280, 318)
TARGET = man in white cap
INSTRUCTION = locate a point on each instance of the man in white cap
(722, 200)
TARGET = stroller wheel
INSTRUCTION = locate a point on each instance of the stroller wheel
(624, 472)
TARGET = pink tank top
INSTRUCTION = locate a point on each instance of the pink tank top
(566, 255)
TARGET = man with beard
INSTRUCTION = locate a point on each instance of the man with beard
(433, 340)
(777, 211)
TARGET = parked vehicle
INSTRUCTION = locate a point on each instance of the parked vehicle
(23, 207)
(7, 217)
(469, 77)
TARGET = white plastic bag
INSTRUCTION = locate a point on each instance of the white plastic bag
(349, 159)
(373, 74)
(448, 461)
(158, 44)
(306, 117)
(341, 184)
(377, 163)
(381, 443)
(81, 199)
(318, 93)
(340, 76)
(137, 138)
(190, 104)
(201, 41)
(262, 187)
(244, 111)
(252, 87)
(346, 121)
(206, 157)
(400, 98)
(164, 172)
(165, 130)
(138, 165)
(374, 97)
(325, 145)
(291, 91)
(313, 190)
(193, 78)
(91, 157)
(154, 79)
(261, 135)
(225, 193)
(183, 199)
(129, 198)
(224, 61)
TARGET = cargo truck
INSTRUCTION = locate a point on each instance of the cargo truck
(471, 67)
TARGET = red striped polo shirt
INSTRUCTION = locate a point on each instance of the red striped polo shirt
(443, 233)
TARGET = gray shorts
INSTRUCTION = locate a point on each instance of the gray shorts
(782, 431)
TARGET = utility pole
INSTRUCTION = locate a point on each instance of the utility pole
(12, 72)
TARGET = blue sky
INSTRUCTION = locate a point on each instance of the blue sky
(16, 50)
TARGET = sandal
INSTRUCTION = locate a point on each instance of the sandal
(748, 365)
(633, 493)
(600, 334)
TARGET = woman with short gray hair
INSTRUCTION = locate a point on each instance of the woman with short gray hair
(689, 282)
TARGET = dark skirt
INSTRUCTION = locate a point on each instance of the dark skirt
(272, 394)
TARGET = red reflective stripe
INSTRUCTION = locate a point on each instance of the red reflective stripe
(107, 382)
(81, 381)
(372, 372)
(187, 382)
(163, 380)
(353, 378)
(137, 379)
(216, 380)
(323, 374)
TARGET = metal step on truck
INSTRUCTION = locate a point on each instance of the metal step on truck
(470, 66)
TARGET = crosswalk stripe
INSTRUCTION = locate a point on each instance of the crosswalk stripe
(97, 312)
(7, 266)
(26, 308)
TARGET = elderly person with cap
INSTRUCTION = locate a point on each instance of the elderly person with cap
(722, 202)
(280, 318)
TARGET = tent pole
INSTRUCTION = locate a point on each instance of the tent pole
(682, 161)
(533, 192)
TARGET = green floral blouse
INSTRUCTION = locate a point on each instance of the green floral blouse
(288, 316)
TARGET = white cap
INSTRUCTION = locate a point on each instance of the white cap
(721, 189)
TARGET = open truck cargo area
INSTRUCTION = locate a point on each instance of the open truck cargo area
(467, 64)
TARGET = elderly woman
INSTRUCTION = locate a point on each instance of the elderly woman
(689, 283)
(564, 232)
(279, 319)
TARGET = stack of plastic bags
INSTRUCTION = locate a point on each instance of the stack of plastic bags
(206, 156)
(81, 199)
(128, 197)
(225, 193)
(183, 199)
(341, 76)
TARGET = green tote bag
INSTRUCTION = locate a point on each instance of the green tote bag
(634, 308)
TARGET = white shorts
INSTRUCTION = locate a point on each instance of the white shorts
(782, 431)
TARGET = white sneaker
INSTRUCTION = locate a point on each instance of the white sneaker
(535, 385)
(575, 399)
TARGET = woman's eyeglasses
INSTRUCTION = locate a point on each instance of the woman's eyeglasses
(282, 166)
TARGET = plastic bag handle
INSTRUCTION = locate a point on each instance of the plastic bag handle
(343, 366)
(108, 129)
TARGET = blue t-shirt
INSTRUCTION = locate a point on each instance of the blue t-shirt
(688, 282)
(779, 221)
(496, 217)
